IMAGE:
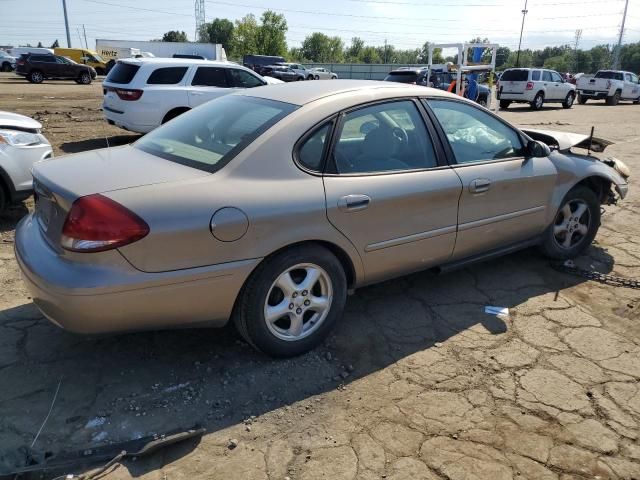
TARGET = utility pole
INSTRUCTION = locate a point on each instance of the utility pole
(66, 23)
(86, 45)
(616, 56)
(385, 50)
(575, 49)
(524, 14)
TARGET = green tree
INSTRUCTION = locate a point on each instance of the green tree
(437, 54)
(559, 63)
(55, 44)
(174, 36)
(370, 55)
(218, 31)
(40, 45)
(245, 36)
(336, 50)
(502, 56)
(600, 58)
(316, 48)
(272, 34)
(353, 53)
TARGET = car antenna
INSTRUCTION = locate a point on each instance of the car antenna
(590, 140)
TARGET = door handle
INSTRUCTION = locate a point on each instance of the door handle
(480, 185)
(196, 94)
(353, 203)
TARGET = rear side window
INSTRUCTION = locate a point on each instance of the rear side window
(167, 76)
(402, 77)
(515, 75)
(242, 79)
(209, 136)
(122, 73)
(210, 77)
(535, 76)
(311, 152)
(43, 58)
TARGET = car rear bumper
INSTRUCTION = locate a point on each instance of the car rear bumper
(516, 97)
(122, 120)
(102, 293)
(593, 94)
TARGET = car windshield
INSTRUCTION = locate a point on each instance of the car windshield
(515, 76)
(211, 135)
(97, 57)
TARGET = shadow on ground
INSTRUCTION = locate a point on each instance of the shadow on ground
(101, 142)
(126, 386)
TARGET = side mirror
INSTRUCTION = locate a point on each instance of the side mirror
(537, 149)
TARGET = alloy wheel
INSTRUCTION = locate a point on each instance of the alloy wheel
(298, 302)
(539, 101)
(572, 224)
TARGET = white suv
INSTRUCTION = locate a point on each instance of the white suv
(535, 86)
(142, 93)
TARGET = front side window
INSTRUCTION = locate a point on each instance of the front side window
(535, 76)
(474, 135)
(546, 76)
(385, 137)
(167, 76)
(209, 136)
(627, 77)
(242, 79)
(555, 76)
(634, 78)
(210, 77)
(310, 153)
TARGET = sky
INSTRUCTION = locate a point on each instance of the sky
(402, 23)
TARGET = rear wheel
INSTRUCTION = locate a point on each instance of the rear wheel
(614, 99)
(568, 101)
(4, 200)
(174, 113)
(299, 78)
(582, 100)
(482, 101)
(100, 71)
(505, 104)
(310, 77)
(538, 101)
(35, 76)
(575, 226)
(84, 78)
(6, 67)
(317, 77)
(291, 301)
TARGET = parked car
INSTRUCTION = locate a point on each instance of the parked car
(415, 76)
(7, 62)
(443, 80)
(298, 69)
(84, 56)
(257, 62)
(142, 93)
(282, 72)
(535, 86)
(268, 205)
(21, 145)
(321, 73)
(17, 51)
(36, 68)
(609, 85)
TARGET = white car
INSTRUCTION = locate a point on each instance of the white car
(320, 73)
(141, 94)
(609, 85)
(535, 86)
(7, 62)
(21, 145)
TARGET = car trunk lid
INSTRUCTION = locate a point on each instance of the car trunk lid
(58, 183)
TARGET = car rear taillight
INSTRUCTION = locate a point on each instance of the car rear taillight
(20, 62)
(96, 223)
(529, 85)
(129, 95)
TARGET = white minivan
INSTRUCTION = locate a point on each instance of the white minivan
(535, 86)
(141, 94)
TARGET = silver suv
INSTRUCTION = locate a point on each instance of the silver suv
(535, 86)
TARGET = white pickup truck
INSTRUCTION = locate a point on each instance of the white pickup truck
(609, 85)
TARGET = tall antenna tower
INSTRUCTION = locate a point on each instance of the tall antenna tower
(200, 18)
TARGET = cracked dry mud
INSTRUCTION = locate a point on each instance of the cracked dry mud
(416, 383)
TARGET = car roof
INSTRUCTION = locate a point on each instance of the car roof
(175, 61)
(301, 93)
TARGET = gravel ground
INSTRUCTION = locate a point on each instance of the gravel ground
(416, 383)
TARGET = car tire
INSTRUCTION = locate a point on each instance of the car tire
(176, 112)
(291, 267)
(300, 78)
(482, 101)
(35, 76)
(538, 101)
(580, 232)
(317, 77)
(582, 100)
(4, 200)
(6, 67)
(614, 99)
(84, 78)
(504, 104)
(310, 77)
(100, 71)
(568, 101)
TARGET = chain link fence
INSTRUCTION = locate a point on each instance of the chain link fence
(362, 71)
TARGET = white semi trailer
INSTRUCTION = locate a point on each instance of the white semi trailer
(209, 51)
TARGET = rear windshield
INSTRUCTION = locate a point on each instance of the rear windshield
(402, 77)
(515, 76)
(209, 136)
(609, 75)
(122, 73)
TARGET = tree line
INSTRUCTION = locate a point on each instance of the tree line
(267, 36)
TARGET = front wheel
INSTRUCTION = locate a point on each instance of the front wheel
(538, 101)
(317, 77)
(575, 226)
(291, 301)
(85, 78)
(614, 99)
(568, 101)
(582, 99)
(504, 104)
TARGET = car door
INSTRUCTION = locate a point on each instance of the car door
(505, 196)
(66, 69)
(559, 86)
(47, 64)
(388, 190)
(208, 83)
(630, 88)
(547, 85)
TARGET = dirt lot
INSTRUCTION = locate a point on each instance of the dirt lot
(417, 382)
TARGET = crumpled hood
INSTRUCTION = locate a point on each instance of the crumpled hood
(16, 121)
(563, 141)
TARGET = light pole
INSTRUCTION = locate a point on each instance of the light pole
(616, 56)
(66, 23)
(524, 14)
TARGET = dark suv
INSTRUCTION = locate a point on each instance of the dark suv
(36, 68)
